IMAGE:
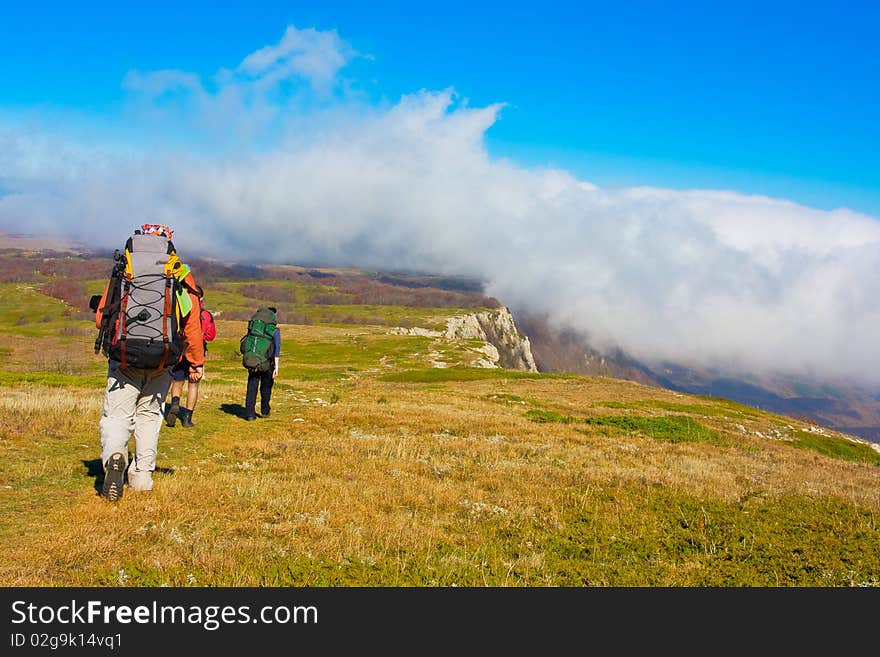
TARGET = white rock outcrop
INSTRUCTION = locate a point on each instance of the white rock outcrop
(504, 345)
(497, 328)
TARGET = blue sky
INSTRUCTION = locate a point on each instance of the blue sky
(775, 98)
(690, 182)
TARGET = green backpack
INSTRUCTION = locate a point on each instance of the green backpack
(258, 344)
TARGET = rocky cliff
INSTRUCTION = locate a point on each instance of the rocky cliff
(503, 345)
(497, 328)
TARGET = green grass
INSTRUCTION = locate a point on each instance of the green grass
(737, 409)
(668, 428)
(295, 300)
(298, 373)
(505, 398)
(837, 447)
(324, 359)
(683, 540)
(542, 416)
(679, 428)
(24, 310)
(53, 379)
(715, 407)
(440, 374)
(359, 351)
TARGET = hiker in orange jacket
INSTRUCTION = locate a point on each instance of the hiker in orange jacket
(180, 372)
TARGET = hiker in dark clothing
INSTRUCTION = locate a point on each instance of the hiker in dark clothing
(264, 381)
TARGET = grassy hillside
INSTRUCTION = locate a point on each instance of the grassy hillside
(377, 469)
(847, 407)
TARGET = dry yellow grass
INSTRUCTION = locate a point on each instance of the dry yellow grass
(356, 480)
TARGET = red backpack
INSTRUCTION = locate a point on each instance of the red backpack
(209, 329)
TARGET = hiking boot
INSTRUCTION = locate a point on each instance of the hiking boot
(114, 472)
(186, 417)
(264, 413)
(139, 480)
(173, 411)
(250, 418)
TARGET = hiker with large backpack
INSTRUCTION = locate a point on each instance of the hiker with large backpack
(260, 351)
(180, 372)
(147, 319)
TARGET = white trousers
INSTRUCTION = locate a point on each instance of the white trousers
(133, 403)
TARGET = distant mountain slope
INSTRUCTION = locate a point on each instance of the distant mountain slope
(27, 242)
(843, 408)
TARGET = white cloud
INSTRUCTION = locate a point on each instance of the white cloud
(699, 277)
(158, 83)
(311, 54)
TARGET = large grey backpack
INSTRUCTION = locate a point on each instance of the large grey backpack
(146, 331)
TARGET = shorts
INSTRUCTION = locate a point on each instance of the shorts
(180, 371)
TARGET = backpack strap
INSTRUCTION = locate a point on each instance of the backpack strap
(123, 324)
(128, 270)
(167, 314)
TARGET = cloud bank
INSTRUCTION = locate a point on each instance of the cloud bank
(279, 159)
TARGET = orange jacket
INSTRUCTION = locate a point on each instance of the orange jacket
(191, 324)
(193, 342)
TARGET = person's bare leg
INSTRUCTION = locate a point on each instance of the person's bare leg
(192, 396)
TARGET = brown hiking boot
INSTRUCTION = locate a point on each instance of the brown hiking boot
(173, 411)
(114, 473)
